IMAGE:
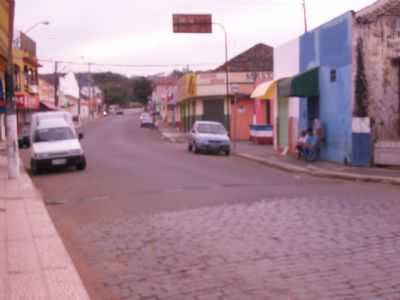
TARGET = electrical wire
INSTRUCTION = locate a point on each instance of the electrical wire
(129, 65)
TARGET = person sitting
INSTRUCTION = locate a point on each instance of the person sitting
(301, 142)
(310, 146)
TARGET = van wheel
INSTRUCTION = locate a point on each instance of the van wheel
(195, 149)
(34, 168)
(190, 147)
(82, 165)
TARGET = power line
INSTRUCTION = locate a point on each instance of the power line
(129, 65)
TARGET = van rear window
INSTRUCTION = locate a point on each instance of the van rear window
(53, 134)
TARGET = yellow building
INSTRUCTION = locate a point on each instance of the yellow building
(4, 43)
(25, 78)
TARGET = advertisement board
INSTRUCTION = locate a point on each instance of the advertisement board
(187, 23)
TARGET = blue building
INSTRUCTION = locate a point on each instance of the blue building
(326, 88)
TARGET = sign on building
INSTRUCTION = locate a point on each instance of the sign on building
(27, 44)
(187, 23)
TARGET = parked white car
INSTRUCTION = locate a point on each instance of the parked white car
(55, 143)
(209, 137)
(146, 120)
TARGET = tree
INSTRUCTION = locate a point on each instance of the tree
(115, 95)
(116, 88)
(361, 96)
(142, 89)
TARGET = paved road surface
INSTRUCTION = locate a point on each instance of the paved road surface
(147, 220)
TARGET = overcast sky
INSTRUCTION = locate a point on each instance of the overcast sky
(133, 32)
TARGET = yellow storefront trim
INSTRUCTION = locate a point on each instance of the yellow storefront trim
(265, 90)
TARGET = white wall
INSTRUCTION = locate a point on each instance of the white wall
(69, 85)
(287, 64)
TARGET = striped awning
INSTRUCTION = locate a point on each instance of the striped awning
(265, 90)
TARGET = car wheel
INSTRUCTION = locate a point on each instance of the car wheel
(195, 149)
(228, 152)
(82, 165)
(190, 147)
(34, 168)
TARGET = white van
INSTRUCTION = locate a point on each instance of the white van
(55, 142)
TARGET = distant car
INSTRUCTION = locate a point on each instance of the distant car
(119, 111)
(146, 120)
(209, 137)
(24, 137)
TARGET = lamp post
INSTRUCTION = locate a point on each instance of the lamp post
(46, 23)
(305, 16)
(227, 74)
(35, 25)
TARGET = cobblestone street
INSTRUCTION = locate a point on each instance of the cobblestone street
(153, 222)
(329, 248)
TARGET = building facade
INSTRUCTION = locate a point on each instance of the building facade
(26, 80)
(4, 43)
(347, 78)
(164, 96)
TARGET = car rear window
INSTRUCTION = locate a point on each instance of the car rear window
(211, 128)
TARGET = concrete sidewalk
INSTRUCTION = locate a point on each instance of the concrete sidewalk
(172, 135)
(34, 263)
(266, 155)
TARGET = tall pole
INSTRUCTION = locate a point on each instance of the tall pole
(227, 74)
(90, 87)
(56, 84)
(305, 16)
(11, 110)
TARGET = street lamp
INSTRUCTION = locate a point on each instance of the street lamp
(35, 25)
(305, 15)
(16, 40)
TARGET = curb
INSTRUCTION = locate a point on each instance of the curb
(275, 164)
(316, 172)
(172, 139)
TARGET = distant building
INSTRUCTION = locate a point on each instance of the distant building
(204, 95)
(47, 92)
(90, 93)
(164, 99)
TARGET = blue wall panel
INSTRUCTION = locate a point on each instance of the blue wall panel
(335, 108)
(329, 47)
(361, 154)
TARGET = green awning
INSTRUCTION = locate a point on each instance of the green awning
(306, 84)
(302, 85)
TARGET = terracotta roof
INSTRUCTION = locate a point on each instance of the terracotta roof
(259, 58)
(379, 8)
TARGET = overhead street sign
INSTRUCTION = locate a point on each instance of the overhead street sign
(185, 23)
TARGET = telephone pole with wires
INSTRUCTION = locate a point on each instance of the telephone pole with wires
(56, 83)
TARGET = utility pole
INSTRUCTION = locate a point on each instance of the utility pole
(305, 16)
(11, 109)
(227, 73)
(90, 91)
(56, 83)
